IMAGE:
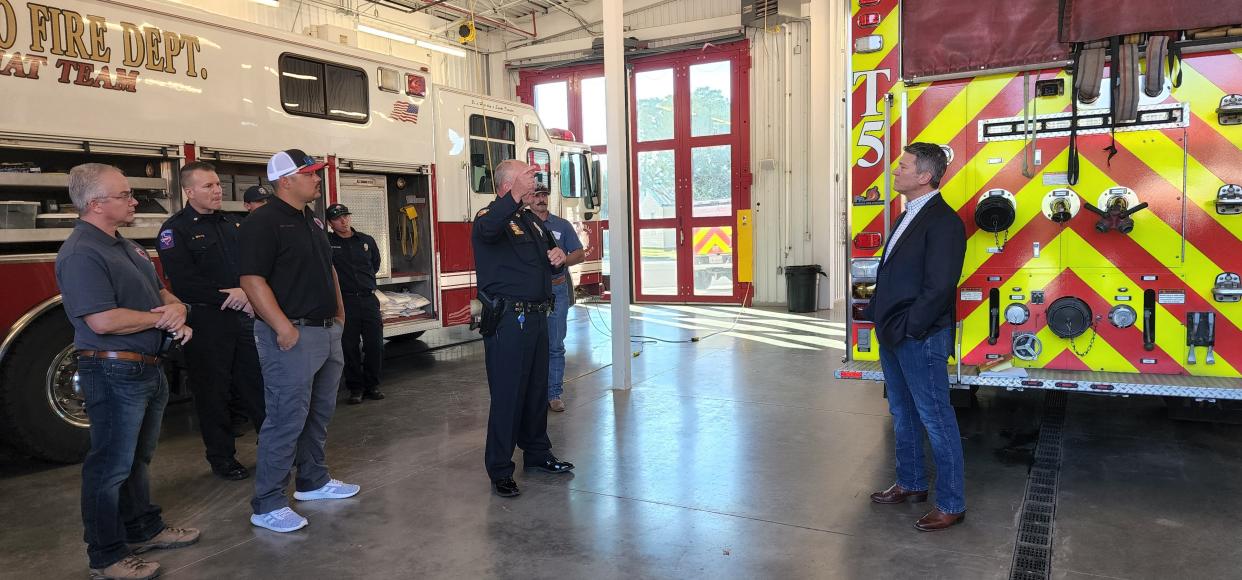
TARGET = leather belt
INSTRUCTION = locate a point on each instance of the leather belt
(323, 322)
(120, 355)
(559, 280)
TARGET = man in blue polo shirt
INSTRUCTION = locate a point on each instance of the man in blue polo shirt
(562, 289)
(120, 313)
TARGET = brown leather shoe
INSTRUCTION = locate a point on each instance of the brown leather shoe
(168, 539)
(898, 494)
(937, 520)
(129, 568)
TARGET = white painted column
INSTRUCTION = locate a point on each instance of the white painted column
(827, 180)
(618, 190)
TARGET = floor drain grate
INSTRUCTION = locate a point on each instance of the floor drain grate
(1032, 550)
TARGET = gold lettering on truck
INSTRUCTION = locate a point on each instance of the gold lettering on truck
(135, 45)
(155, 56)
(99, 38)
(8, 32)
(39, 17)
(75, 30)
(83, 42)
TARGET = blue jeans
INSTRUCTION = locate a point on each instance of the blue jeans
(917, 377)
(125, 402)
(557, 320)
(299, 390)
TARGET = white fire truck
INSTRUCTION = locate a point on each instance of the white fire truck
(148, 87)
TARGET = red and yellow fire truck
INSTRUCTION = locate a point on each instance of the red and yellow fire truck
(149, 86)
(1101, 199)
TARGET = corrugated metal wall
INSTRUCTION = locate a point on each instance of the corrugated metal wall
(780, 146)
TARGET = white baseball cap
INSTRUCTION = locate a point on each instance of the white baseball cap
(291, 161)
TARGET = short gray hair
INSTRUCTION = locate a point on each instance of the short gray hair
(507, 170)
(86, 183)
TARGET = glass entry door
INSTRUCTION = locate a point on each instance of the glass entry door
(691, 156)
(686, 191)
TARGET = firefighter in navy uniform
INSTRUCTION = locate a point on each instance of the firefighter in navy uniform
(515, 258)
(199, 251)
(357, 260)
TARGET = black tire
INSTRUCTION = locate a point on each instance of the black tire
(30, 423)
(406, 337)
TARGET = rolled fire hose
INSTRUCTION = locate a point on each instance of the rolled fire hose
(408, 230)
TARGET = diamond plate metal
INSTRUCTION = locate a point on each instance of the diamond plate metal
(1223, 388)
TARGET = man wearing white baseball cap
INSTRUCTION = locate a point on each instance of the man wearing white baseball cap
(286, 271)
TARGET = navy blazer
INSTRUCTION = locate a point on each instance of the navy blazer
(916, 287)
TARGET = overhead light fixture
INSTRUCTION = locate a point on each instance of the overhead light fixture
(272, 3)
(402, 38)
(441, 48)
(386, 34)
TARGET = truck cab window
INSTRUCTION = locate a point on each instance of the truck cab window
(492, 140)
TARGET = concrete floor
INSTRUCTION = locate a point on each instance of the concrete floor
(734, 457)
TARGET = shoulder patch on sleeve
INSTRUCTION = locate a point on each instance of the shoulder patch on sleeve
(482, 212)
(166, 239)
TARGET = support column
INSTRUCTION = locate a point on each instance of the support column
(827, 180)
(615, 83)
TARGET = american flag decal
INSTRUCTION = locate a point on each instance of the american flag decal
(405, 111)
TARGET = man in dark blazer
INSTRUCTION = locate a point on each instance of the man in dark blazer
(914, 313)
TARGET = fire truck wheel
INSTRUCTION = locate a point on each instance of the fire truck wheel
(44, 414)
(406, 337)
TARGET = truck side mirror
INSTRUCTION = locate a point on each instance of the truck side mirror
(594, 195)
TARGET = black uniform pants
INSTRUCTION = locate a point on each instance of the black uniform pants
(364, 325)
(517, 377)
(222, 354)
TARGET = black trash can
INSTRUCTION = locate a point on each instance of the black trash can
(802, 287)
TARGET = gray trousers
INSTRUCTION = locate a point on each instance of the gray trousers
(300, 387)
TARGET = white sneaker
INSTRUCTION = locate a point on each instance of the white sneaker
(334, 489)
(282, 520)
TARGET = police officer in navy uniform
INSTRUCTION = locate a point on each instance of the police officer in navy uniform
(357, 259)
(199, 251)
(515, 258)
(256, 196)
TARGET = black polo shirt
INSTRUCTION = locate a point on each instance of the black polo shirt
(356, 260)
(97, 273)
(290, 249)
(199, 254)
